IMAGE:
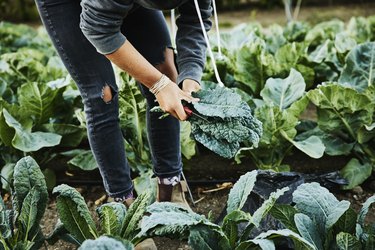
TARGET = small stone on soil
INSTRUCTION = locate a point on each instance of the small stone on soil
(357, 190)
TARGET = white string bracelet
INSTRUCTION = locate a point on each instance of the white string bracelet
(160, 84)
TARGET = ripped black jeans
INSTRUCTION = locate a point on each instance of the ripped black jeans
(147, 31)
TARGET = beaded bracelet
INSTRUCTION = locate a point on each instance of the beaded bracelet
(159, 85)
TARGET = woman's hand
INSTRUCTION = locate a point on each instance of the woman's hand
(190, 86)
(170, 97)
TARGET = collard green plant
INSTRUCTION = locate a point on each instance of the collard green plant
(325, 222)
(344, 119)
(359, 70)
(19, 226)
(77, 226)
(284, 101)
(168, 219)
(133, 123)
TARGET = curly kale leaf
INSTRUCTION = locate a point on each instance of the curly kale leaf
(227, 122)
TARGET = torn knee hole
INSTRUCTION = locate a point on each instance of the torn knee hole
(107, 94)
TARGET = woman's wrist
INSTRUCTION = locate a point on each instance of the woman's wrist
(159, 85)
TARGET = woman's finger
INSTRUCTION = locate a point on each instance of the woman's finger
(182, 116)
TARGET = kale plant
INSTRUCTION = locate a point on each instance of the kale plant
(168, 219)
(19, 226)
(76, 224)
(325, 222)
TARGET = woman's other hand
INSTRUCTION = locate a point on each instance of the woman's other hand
(170, 97)
(190, 86)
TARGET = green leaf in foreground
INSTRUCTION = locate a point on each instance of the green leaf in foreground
(267, 205)
(168, 219)
(106, 243)
(285, 214)
(134, 215)
(308, 230)
(347, 241)
(27, 175)
(28, 215)
(111, 216)
(240, 191)
(74, 213)
(364, 210)
(272, 234)
(203, 237)
(319, 204)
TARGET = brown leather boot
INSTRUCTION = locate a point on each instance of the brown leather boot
(174, 194)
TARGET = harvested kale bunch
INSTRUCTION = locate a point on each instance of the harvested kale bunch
(221, 121)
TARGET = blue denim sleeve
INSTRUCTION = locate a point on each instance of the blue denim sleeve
(191, 46)
(101, 22)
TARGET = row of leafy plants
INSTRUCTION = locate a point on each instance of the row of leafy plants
(316, 220)
(327, 69)
(276, 70)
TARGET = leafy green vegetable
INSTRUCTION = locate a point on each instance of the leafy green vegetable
(106, 243)
(356, 172)
(76, 224)
(133, 124)
(347, 241)
(359, 70)
(308, 230)
(187, 142)
(324, 221)
(22, 138)
(168, 219)
(74, 213)
(239, 193)
(19, 225)
(344, 115)
(323, 31)
(130, 224)
(84, 160)
(249, 67)
(221, 121)
(284, 92)
(111, 216)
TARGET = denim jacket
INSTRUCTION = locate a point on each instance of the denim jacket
(101, 21)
